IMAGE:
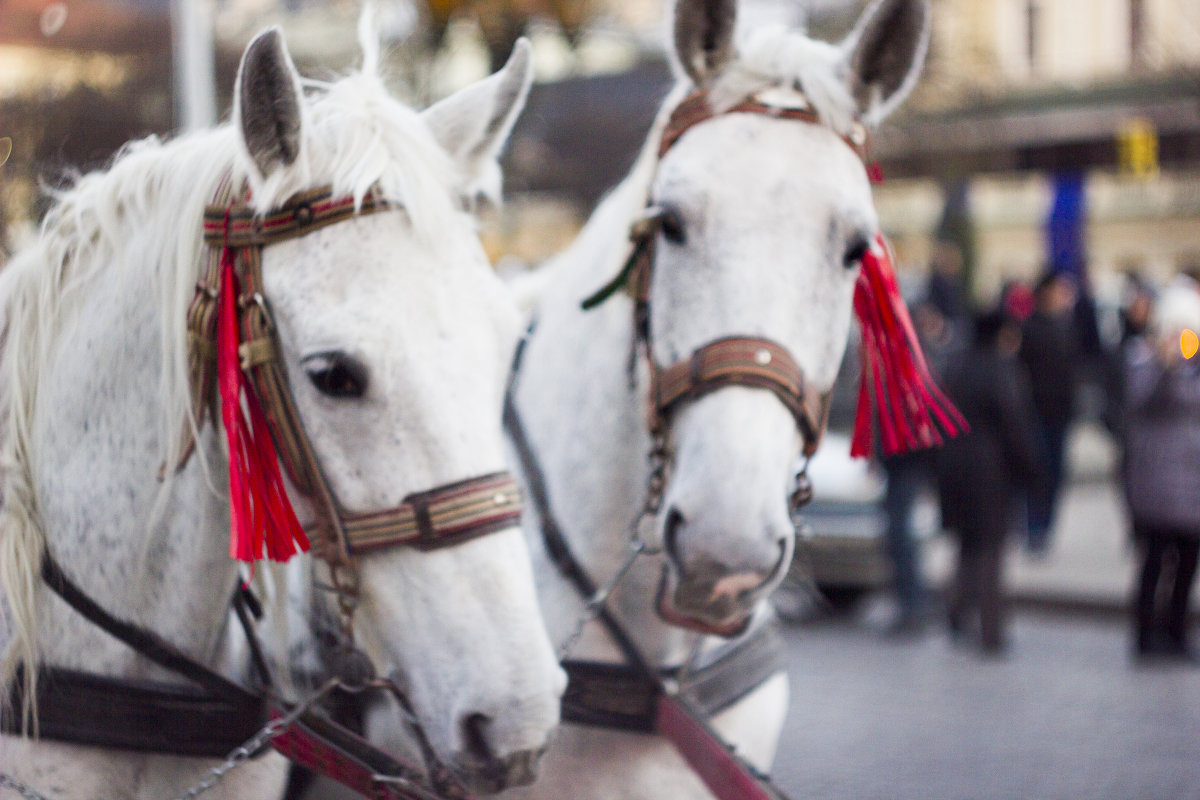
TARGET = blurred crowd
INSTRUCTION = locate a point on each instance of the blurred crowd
(1015, 370)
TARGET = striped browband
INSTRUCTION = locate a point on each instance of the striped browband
(439, 517)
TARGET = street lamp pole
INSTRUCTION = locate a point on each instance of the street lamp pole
(192, 44)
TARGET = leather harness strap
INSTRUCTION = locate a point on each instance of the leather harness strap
(615, 696)
(745, 361)
(208, 720)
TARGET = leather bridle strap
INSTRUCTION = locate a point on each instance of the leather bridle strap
(744, 361)
(427, 520)
(697, 107)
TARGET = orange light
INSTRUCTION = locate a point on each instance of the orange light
(1189, 343)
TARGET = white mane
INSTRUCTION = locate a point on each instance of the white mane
(776, 56)
(140, 220)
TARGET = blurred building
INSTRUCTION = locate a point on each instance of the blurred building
(1029, 101)
(1085, 109)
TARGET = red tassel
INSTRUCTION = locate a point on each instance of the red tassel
(895, 383)
(262, 519)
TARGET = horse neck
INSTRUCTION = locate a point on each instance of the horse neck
(147, 552)
(587, 427)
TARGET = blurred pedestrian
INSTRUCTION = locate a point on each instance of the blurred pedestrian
(1137, 301)
(978, 472)
(908, 475)
(946, 292)
(1162, 472)
(1048, 350)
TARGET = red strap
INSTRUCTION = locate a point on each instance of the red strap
(334, 752)
(726, 776)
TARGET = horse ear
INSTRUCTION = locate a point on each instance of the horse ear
(884, 55)
(473, 124)
(704, 37)
(267, 103)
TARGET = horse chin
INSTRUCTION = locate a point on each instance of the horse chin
(726, 617)
(496, 775)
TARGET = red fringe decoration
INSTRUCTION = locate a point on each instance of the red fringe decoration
(262, 518)
(895, 383)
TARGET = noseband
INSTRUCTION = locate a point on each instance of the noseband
(436, 518)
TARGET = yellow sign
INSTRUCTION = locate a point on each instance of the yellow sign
(1137, 148)
(1189, 343)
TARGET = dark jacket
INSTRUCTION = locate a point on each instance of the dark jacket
(1162, 439)
(979, 472)
(1048, 350)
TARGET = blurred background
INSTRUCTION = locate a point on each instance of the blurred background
(1045, 136)
(1085, 110)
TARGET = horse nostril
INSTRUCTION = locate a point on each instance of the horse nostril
(675, 520)
(474, 733)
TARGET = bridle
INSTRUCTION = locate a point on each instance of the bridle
(214, 715)
(747, 361)
(439, 517)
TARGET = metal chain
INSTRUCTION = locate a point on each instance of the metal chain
(659, 458)
(245, 752)
(594, 603)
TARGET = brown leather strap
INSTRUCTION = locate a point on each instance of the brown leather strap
(437, 518)
(141, 716)
(697, 108)
(301, 214)
(744, 361)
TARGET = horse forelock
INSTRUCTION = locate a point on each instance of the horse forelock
(777, 56)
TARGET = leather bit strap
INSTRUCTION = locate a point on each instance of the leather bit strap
(745, 361)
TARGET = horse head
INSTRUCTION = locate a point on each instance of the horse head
(394, 335)
(759, 224)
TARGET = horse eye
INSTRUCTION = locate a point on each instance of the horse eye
(855, 252)
(336, 375)
(672, 227)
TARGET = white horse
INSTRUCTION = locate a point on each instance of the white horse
(759, 224)
(395, 334)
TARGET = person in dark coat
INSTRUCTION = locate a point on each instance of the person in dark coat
(1162, 473)
(979, 472)
(1048, 350)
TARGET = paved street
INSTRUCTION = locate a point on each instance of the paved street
(1065, 715)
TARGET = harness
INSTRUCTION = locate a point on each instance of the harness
(212, 717)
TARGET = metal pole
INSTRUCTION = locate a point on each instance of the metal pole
(192, 42)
